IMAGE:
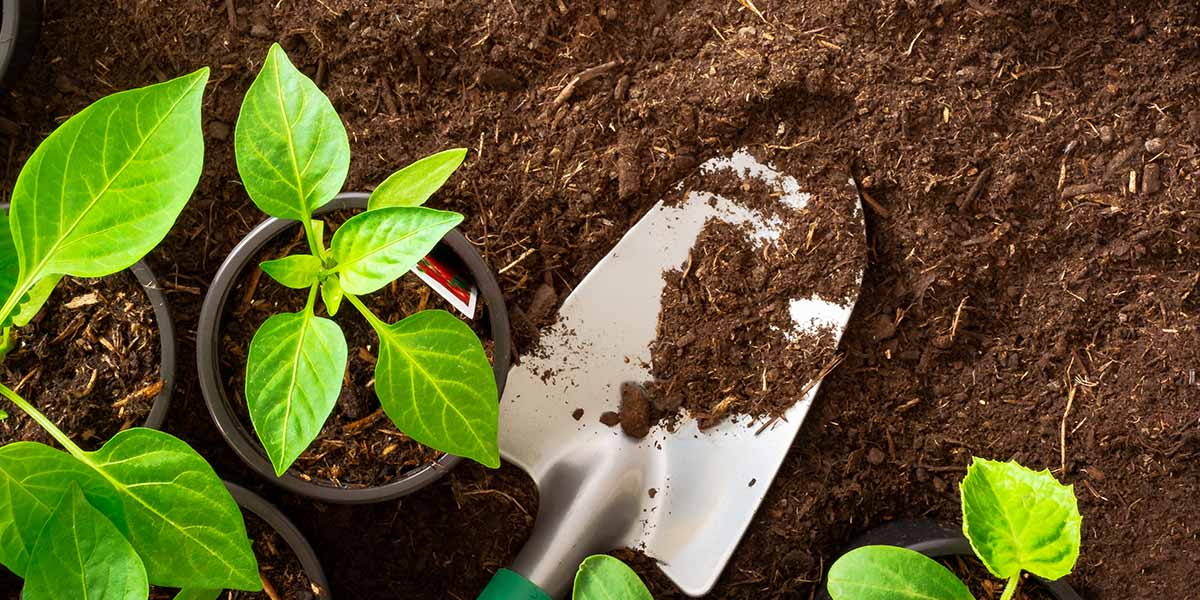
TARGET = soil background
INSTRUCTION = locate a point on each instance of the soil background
(1017, 292)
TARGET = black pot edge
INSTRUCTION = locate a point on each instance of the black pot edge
(246, 445)
(935, 540)
(20, 37)
(166, 338)
(295, 540)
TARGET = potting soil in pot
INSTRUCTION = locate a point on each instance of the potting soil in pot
(89, 360)
(358, 446)
(956, 114)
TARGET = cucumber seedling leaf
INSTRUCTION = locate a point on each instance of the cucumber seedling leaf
(293, 378)
(104, 188)
(434, 381)
(298, 271)
(892, 573)
(179, 516)
(602, 577)
(291, 147)
(414, 184)
(34, 478)
(373, 248)
(1019, 519)
(81, 554)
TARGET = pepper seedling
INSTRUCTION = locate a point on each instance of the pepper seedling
(145, 509)
(602, 577)
(1016, 520)
(432, 376)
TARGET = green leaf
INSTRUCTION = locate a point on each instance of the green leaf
(179, 516)
(293, 378)
(298, 271)
(10, 267)
(602, 577)
(891, 573)
(331, 294)
(291, 148)
(434, 381)
(35, 299)
(34, 478)
(197, 594)
(1018, 519)
(414, 184)
(81, 554)
(374, 248)
(107, 185)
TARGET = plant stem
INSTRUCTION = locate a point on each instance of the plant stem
(375, 322)
(316, 245)
(1010, 588)
(44, 421)
(312, 298)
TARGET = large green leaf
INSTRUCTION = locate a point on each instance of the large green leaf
(373, 248)
(602, 577)
(81, 554)
(891, 573)
(10, 267)
(33, 480)
(195, 594)
(107, 185)
(298, 271)
(293, 377)
(434, 381)
(179, 516)
(414, 184)
(1018, 519)
(291, 147)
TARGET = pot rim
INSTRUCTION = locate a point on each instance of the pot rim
(263, 509)
(245, 444)
(935, 540)
(18, 36)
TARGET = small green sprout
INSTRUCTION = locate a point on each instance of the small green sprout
(1016, 520)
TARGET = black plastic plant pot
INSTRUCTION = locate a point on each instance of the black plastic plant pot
(20, 21)
(244, 441)
(166, 337)
(937, 540)
(249, 501)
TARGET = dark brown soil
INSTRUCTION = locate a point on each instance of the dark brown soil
(89, 360)
(957, 115)
(358, 446)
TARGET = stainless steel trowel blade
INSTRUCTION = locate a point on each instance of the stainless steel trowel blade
(594, 481)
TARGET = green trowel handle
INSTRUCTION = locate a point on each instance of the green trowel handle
(510, 585)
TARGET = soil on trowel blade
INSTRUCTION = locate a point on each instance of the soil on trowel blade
(736, 336)
(89, 361)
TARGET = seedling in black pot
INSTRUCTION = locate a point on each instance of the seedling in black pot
(145, 509)
(1015, 519)
(432, 376)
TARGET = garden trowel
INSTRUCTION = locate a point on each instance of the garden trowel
(683, 496)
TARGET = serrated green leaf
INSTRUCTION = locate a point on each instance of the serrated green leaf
(81, 554)
(331, 294)
(434, 381)
(195, 594)
(1018, 519)
(414, 184)
(34, 478)
(374, 248)
(291, 148)
(891, 573)
(602, 577)
(10, 267)
(35, 299)
(104, 188)
(179, 516)
(293, 378)
(10, 271)
(298, 271)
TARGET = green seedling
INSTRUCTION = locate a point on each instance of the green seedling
(1016, 520)
(602, 577)
(145, 509)
(432, 376)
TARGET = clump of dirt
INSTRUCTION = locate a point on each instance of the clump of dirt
(89, 361)
(729, 343)
(358, 445)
